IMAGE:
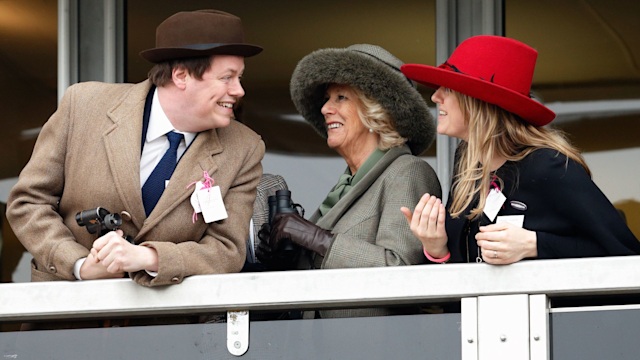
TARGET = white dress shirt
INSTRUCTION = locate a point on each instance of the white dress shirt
(156, 143)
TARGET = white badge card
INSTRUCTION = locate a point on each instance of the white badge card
(494, 202)
(195, 203)
(212, 205)
(517, 220)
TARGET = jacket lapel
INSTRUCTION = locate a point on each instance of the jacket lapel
(191, 166)
(122, 145)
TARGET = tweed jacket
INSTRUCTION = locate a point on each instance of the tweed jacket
(369, 228)
(268, 185)
(559, 201)
(88, 156)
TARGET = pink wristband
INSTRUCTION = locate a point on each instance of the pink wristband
(435, 260)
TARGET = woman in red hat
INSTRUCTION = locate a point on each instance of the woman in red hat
(520, 190)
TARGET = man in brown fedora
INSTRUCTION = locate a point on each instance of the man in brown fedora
(165, 154)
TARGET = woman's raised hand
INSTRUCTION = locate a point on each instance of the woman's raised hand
(427, 224)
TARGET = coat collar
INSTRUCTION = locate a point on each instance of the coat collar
(344, 204)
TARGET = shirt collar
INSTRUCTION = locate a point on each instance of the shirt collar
(159, 123)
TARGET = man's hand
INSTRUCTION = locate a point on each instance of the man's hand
(93, 269)
(117, 255)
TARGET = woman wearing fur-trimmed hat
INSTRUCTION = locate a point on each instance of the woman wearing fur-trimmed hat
(373, 116)
(520, 190)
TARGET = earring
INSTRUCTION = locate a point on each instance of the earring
(370, 130)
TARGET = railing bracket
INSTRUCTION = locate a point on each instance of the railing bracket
(238, 332)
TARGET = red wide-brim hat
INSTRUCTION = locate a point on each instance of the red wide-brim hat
(494, 69)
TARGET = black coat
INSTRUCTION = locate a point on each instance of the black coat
(570, 215)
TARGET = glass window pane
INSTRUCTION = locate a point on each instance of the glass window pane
(28, 96)
(28, 72)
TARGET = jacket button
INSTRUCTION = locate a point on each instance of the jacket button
(175, 279)
(52, 269)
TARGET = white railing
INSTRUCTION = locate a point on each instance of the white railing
(513, 292)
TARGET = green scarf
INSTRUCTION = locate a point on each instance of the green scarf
(347, 181)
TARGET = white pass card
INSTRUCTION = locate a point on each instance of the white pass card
(517, 220)
(494, 203)
(212, 205)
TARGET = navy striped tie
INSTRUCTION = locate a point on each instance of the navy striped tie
(154, 186)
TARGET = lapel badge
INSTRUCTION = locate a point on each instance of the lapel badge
(518, 205)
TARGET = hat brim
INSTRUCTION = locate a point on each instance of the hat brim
(374, 78)
(157, 55)
(528, 109)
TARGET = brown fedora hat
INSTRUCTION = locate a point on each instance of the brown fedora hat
(199, 33)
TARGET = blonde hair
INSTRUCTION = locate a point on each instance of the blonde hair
(496, 132)
(376, 118)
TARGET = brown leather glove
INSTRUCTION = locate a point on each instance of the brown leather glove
(301, 232)
(276, 259)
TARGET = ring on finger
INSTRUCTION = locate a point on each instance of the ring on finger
(495, 254)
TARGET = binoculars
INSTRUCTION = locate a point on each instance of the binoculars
(281, 203)
(98, 220)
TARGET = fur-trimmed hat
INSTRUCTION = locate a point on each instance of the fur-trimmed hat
(376, 73)
(199, 33)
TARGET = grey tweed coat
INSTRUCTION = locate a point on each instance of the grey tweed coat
(369, 229)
